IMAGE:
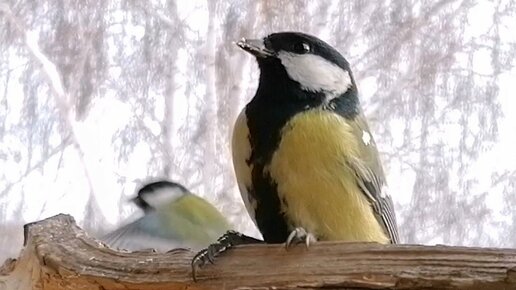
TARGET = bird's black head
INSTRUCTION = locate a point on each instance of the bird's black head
(304, 59)
(158, 193)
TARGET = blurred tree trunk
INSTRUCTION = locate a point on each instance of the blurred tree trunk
(168, 128)
(210, 123)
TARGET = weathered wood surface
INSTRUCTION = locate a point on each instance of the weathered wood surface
(59, 255)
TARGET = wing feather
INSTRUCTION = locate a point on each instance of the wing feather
(138, 236)
(371, 179)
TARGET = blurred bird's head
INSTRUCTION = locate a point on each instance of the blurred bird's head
(157, 194)
(301, 61)
(173, 217)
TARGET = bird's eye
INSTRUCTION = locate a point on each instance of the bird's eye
(301, 48)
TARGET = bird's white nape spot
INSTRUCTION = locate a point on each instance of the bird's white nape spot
(366, 137)
(384, 191)
(163, 196)
(316, 74)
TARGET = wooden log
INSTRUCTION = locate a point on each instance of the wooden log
(59, 255)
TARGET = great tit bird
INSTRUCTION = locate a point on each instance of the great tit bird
(173, 218)
(306, 163)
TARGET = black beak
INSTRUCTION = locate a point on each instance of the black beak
(255, 47)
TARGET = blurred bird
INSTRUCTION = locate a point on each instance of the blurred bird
(306, 163)
(173, 218)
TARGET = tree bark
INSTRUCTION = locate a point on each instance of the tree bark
(59, 255)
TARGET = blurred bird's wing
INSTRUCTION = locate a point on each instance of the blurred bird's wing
(141, 234)
(371, 179)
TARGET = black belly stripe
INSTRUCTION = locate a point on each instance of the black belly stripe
(265, 121)
(265, 124)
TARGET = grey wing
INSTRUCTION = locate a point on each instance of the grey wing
(141, 234)
(372, 184)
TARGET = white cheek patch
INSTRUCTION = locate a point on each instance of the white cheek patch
(315, 73)
(163, 196)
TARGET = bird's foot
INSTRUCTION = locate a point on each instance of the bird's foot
(225, 242)
(300, 235)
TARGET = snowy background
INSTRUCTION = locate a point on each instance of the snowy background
(98, 96)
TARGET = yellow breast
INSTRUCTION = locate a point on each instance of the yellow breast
(317, 188)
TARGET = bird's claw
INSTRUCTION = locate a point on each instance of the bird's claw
(206, 256)
(300, 235)
(225, 242)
